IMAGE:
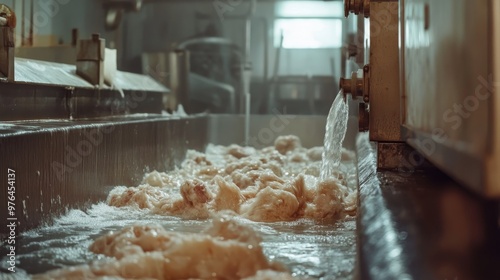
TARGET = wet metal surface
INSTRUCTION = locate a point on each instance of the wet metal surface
(31, 102)
(422, 225)
(379, 246)
(61, 94)
(70, 164)
(64, 75)
(392, 155)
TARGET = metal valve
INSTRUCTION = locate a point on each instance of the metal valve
(357, 7)
(357, 85)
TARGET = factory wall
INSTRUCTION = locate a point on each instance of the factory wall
(160, 25)
(53, 20)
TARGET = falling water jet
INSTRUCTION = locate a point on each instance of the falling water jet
(336, 127)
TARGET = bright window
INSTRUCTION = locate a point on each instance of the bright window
(308, 24)
(309, 9)
(308, 33)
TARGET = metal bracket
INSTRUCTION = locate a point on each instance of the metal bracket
(357, 7)
(90, 60)
(7, 52)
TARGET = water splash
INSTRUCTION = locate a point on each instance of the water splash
(336, 127)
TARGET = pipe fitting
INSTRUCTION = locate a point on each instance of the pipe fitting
(357, 7)
(7, 16)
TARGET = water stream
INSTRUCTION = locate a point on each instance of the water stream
(336, 127)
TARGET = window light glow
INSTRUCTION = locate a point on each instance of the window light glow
(308, 33)
(310, 9)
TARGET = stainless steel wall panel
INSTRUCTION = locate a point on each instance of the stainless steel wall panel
(60, 165)
(450, 100)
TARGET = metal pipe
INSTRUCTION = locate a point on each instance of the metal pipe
(248, 63)
(179, 80)
(247, 119)
(277, 58)
(30, 39)
(23, 25)
(272, 89)
(248, 36)
(402, 73)
(266, 47)
(248, 26)
(247, 74)
(206, 40)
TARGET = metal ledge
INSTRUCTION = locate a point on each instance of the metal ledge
(31, 102)
(422, 225)
(50, 73)
(46, 90)
(456, 162)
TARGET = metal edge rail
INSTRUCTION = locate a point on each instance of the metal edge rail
(422, 225)
(61, 165)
